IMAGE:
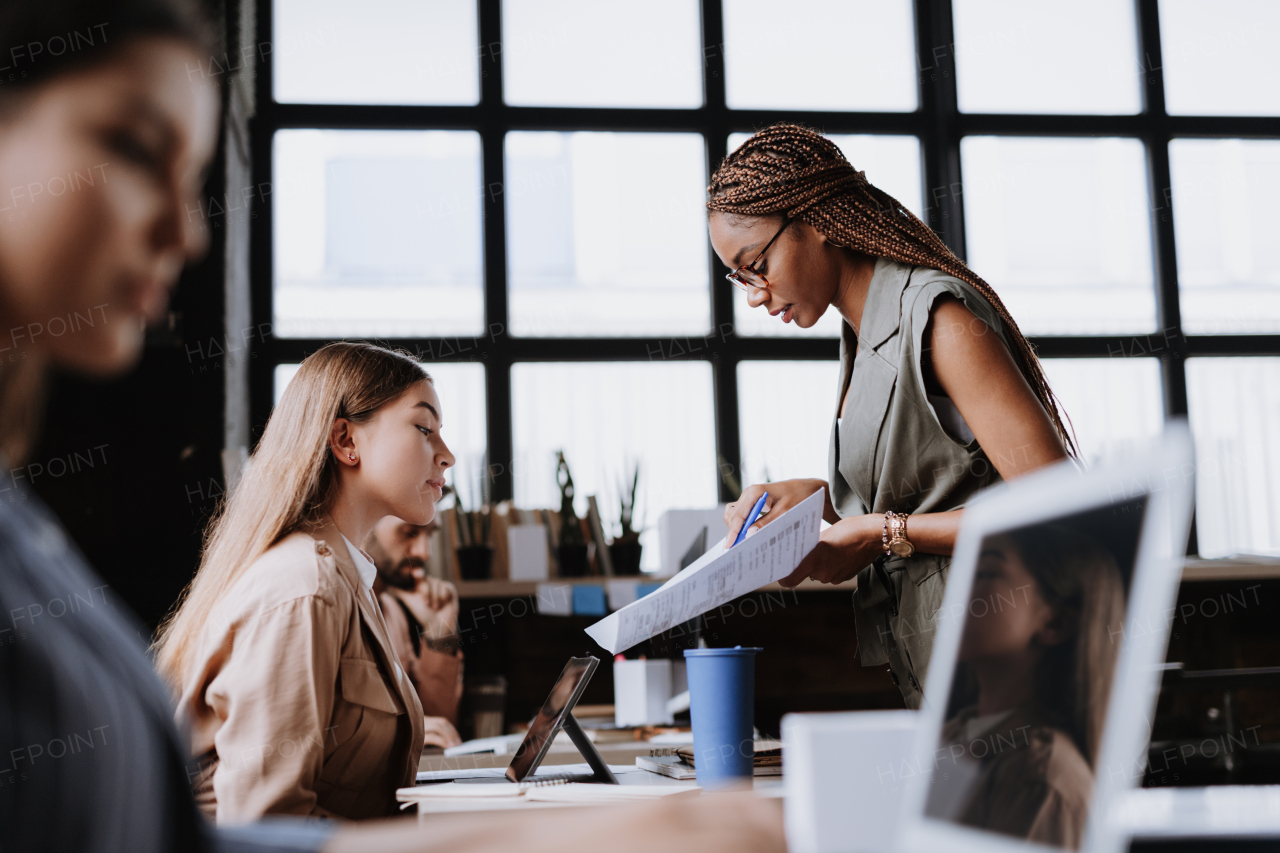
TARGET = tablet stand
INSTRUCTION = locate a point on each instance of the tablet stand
(600, 770)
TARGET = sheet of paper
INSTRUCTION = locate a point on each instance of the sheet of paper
(499, 745)
(579, 792)
(495, 772)
(698, 565)
(718, 576)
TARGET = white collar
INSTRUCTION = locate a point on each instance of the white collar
(975, 727)
(368, 571)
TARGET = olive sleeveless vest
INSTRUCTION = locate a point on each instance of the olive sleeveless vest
(898, 448)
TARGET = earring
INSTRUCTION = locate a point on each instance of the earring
(834, 243)
(351, 456)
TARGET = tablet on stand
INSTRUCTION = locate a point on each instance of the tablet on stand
(556, 714)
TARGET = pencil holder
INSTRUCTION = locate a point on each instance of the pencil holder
(475, 562)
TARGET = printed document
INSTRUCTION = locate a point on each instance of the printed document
(718, 576)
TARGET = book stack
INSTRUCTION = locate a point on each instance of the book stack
(678, 762)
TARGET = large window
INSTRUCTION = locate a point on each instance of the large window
(513, 190)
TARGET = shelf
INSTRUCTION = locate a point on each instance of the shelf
(1231, 569)
(1196, 569)
(519, 589)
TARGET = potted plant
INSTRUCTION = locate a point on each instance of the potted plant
(475, 553)
(572, 550)
(624, 551)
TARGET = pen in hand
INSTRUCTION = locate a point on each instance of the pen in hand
(751, 519)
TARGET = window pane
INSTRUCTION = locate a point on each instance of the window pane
(1219, 58)
(283, 375)
(820, 55)
(1061, 230)
(584, 261)
(785, 409)
(377, 233)
(1226, 220)
(1235, 406)
(892, 163)
(376, 52)
(460, 387)
(582, 53)
(1018, 57)
(1115, 404)
(606, 417)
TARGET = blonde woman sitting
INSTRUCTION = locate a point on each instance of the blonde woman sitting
(293, 694)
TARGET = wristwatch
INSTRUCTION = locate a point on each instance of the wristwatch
(894, 537)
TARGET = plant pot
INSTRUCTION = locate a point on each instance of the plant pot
(475, 562)
(573, 561)
(626, 558)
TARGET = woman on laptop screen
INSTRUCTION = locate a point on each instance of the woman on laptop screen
(1029, 695)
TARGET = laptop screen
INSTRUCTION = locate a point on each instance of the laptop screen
(1039, 643)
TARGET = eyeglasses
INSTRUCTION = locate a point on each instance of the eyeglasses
(745, 277)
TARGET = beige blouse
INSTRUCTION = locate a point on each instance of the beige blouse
(296, 700)
(1020, 777)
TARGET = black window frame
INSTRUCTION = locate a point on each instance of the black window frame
(936, 122)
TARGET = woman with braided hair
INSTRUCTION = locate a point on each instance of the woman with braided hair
(940, 394)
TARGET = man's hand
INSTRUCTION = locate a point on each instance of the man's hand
(442, 600)
(440, 732)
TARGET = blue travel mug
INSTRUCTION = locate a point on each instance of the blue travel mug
(722, 688)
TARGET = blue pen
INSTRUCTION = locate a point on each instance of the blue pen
(751, 519)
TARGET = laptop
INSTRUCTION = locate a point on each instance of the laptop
(1047, 656)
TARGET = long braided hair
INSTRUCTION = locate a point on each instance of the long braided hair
(797, 172)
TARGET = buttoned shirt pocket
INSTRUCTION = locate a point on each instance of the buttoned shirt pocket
(365, 727)
(363, 684)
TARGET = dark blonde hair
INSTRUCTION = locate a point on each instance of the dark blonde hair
(798, 173)
(290, 481)
(1077, 576)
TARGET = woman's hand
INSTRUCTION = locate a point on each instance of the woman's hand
(843, 550)
(783, 495)
(440, 732)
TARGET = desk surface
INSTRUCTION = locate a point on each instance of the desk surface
(765, 786)
(613, 753)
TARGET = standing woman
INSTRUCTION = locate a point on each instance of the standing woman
(940, 394)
